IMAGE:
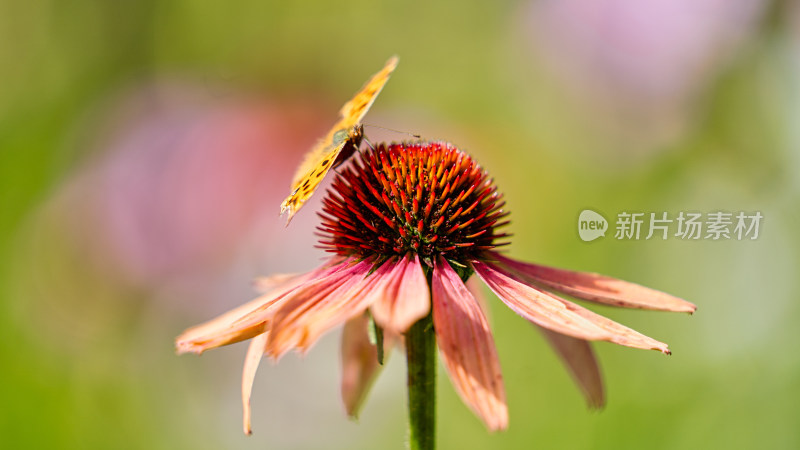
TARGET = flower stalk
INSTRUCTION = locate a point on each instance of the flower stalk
(421, 360)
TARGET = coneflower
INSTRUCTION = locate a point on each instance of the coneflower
(407, 224)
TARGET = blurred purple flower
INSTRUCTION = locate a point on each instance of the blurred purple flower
(640, 58)
(182, 183)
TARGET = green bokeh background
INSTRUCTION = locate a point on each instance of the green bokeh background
(469, 75)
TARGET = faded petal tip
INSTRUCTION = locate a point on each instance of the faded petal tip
(263, 285)
(254, 353)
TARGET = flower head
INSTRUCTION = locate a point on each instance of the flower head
(407, 225)
(428, 199)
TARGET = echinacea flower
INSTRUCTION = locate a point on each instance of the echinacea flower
(407, 225)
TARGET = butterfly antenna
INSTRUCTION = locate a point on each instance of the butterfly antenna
(416, 136)
(369, 144)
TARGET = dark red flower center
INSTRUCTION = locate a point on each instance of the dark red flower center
(427, 198)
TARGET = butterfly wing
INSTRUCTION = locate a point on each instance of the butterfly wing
(319, 160)
(306, 184)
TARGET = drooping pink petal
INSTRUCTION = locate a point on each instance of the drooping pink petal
(319, 277)
(247, 320)
(467, 347)
(402, 298)
(270, 282)
(596, 288)
(558, 314)
(581, 363)
(317, 307)
(576, 354)
(254, 353)
(536, 307)
(228, 328)
(359, 363)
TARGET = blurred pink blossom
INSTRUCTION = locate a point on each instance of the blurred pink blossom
(184, 183)
(647, 60)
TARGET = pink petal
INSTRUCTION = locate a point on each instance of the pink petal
(247, 320)
(576, 354)
(317, 307)
(474, 287)
(467, 347)
(559, 315)
(280, 280)
(537, 307)
(403, 297)
(254, 353)
(309, 282)
(228, 328)
(359, 363)
(597, 288)
(581, 362)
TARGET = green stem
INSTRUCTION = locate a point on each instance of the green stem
(421, 359)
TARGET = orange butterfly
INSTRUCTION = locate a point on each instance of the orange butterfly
(338, 145)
